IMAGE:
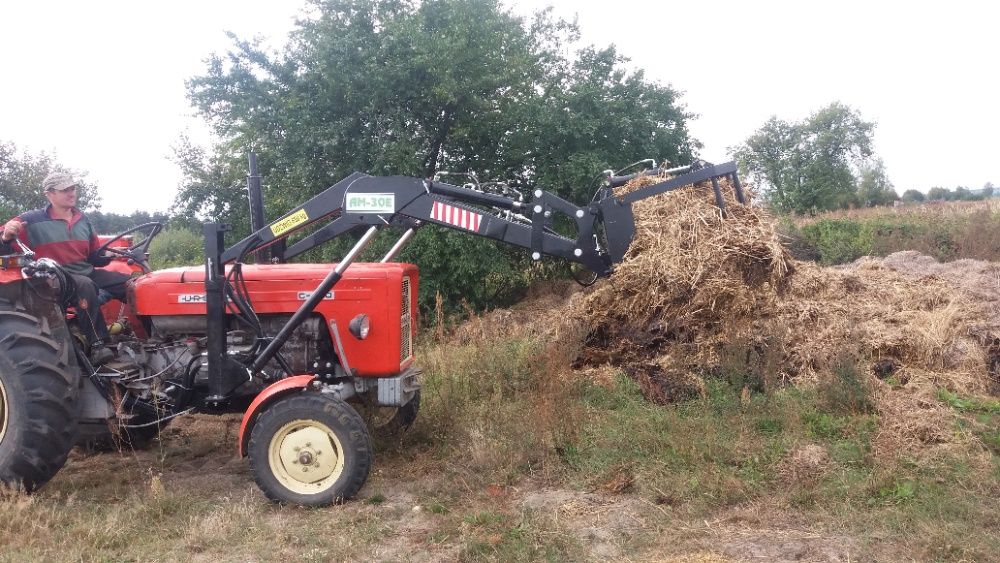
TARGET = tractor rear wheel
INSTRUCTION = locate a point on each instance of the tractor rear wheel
(310, 449)
(38, 390)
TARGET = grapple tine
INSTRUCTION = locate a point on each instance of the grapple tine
(719, 202)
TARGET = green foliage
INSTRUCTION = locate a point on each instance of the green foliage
(845, 390)
(938, 193)
(839, 240)
(969, 404)
(464, 269)
(895, 492)
(399, 87)
(113, 223)
(913, 196)
(807, 166)
(176, 247)
(943, 234)
(21, 176)
(824, 425)
(874, 187)
(961, 193)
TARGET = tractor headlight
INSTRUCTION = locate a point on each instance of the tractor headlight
(360, 326)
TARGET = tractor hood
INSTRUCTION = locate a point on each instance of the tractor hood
(263, 272)
(274, 288)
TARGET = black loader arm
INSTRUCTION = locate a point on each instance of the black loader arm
(604, 230)
(360, 201)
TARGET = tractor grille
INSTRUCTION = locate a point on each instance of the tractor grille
(405, 332)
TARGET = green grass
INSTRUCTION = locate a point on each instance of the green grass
(978, 415)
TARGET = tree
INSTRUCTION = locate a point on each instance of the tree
(940, 194)
(405, 87)
(113, 223)
(913, 196)
(21, 175)
(806, 166)
(874, 187)
(987, 190)
(962, 193)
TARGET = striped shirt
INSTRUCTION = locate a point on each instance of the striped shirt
(70, 243)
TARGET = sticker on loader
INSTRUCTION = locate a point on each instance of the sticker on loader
(371, 203)
(289, 223)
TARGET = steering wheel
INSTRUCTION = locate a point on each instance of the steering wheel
(138, 252)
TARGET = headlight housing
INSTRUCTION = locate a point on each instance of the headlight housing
(360, 326)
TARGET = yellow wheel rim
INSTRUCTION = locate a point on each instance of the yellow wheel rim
(306, 456)
(3, 411)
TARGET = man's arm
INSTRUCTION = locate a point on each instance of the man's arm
(95, 243)
(11, 230)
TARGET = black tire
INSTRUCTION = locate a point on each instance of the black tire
(38, 390)
(281, 444)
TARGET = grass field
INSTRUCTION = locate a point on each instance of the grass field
(514, 459)
(944, 230)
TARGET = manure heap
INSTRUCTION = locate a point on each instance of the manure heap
(699, 295)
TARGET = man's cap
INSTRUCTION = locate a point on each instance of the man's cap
(58, 181)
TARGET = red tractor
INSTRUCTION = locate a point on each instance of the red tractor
(299, 349)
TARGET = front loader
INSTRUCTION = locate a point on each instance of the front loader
(309, 353)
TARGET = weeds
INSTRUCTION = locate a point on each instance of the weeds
(945, 231)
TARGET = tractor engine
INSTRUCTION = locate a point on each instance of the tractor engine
(168, 365)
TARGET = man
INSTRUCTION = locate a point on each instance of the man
(61, 232)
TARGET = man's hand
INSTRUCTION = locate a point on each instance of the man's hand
(10, 229)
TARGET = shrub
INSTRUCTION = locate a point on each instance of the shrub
(945, 231)
(839, 240)
(176, 247)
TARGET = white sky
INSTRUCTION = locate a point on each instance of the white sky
(101, 84)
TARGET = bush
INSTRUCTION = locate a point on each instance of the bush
(176, 247)
(839, 240)
(944, 231)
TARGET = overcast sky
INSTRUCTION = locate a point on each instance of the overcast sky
(101, 84)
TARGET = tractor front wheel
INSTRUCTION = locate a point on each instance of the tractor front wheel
(38, 389)
(310, 449)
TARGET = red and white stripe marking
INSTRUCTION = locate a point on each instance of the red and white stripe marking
(456, 216)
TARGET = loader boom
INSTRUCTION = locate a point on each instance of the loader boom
(604, 230)
(360, 200)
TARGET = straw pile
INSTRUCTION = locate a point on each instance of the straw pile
(689, 276)
(701, 295)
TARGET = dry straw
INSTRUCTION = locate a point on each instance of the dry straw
(699, 287)
(701, 294)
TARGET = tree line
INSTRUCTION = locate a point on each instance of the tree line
(961, 193)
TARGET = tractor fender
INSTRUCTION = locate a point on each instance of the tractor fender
(268, 395)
